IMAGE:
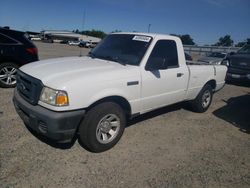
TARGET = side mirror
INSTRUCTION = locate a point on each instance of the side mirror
(225, 62)
(231, 53)
(156, 64)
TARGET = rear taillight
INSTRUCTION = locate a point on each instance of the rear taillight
(32, 50)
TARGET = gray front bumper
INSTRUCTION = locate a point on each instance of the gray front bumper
(58, 126)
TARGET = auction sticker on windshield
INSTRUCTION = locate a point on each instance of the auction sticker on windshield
(141, 38)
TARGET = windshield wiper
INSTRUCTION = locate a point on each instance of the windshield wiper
(110, 58)
(92, 55)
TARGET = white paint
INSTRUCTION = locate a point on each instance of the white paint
(88, 80)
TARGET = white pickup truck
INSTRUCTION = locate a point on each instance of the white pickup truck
(127, 74)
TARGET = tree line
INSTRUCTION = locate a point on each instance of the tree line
(227, 41)
(186, 38)
(93, 33)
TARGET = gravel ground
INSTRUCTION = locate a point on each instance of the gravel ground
(170, 147)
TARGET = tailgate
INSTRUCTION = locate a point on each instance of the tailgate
(220, 76)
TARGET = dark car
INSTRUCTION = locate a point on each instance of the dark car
(238, 65)
(15, 50)
(88, 44)
(82, 44)
(64, 42)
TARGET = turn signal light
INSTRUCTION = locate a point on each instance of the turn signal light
(62, 99)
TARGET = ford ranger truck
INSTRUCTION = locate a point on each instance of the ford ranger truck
(125, 75)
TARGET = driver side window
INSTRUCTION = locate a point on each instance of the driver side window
(165, 51)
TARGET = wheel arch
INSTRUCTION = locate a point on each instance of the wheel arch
(121, 101)
(212, 83)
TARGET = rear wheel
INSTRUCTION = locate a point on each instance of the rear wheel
(8, 74)
(203, 100)
(102, 127)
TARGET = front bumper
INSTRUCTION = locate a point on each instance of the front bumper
(238, 77)
(58, 126)
(235, 74)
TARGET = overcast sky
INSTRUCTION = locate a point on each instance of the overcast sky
(204, 20)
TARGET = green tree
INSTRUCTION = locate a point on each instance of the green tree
(225, 41)
(94, 33)
(116, 31)
(240, 44)
(186, 39)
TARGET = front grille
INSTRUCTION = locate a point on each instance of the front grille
(240, 63)
(239, 71)
(29, 87)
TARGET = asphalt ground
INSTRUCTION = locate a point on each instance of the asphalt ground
(169, 147)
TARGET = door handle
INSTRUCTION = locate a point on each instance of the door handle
(180, 74)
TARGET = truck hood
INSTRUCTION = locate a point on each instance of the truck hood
(240, 61)
(58, 73)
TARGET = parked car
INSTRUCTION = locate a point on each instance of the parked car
(238, 65)
(126, 75)
(15, 50)
(48, 40)
(213, 58)
(82, 44)
(74, 42)
(93, 44)
(88, 44)
(64, 42)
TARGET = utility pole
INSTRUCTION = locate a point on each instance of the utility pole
(83, 19)
(149, 25)
(83, 24)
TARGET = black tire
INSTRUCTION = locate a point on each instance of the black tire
(8, 75)
(202, 102)
(98, 122)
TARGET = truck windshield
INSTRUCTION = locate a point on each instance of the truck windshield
(122, 48)
(244, 50)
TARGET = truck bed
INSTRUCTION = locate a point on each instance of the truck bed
(198, 75)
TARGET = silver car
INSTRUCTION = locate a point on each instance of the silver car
(213, 58)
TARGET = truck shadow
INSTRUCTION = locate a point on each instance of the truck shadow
(130, 122)
(242, 84)
(237, 112)
(156, 113)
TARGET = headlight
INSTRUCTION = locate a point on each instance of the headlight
(248, 76)
(54, 97)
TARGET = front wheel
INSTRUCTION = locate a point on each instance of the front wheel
(8, 75)
(102, 127)
(202, 102)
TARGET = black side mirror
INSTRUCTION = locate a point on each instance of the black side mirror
(231, 53)
(156, 63)
(225, 62)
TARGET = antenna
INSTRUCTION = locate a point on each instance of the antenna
(83, 24)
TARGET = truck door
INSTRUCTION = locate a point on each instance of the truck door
(165, 85)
